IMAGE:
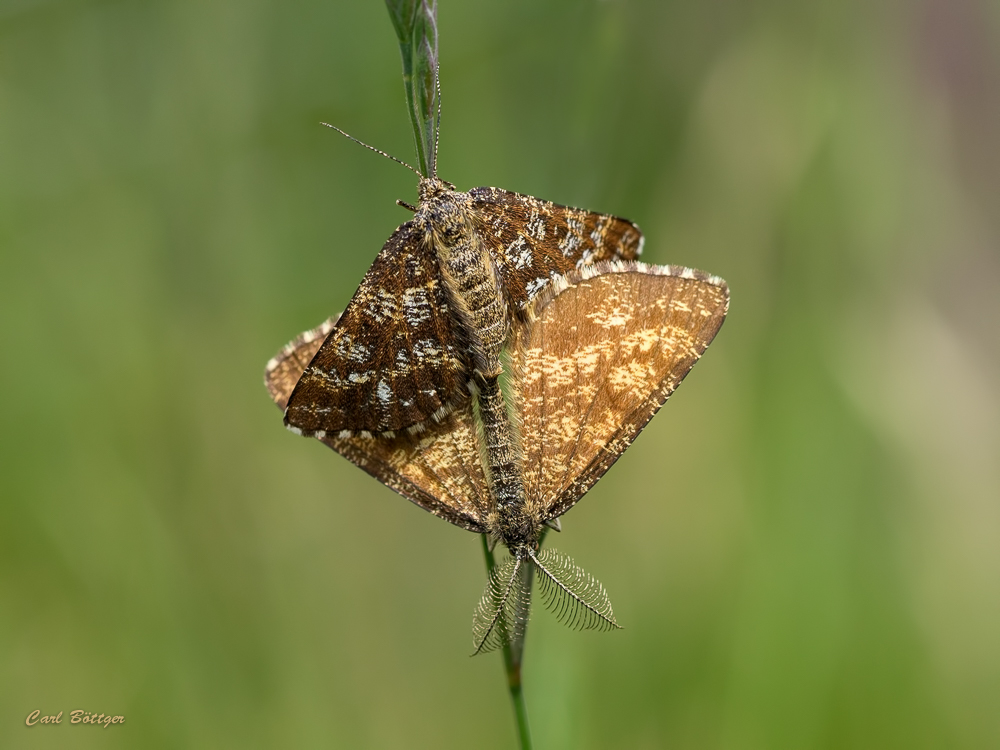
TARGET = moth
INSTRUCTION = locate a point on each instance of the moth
(433, 313)
(601, 348)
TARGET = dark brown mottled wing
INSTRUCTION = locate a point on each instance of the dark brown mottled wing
(286, 367)
(438, 469)
(395, 358)
(534, 240)
(610, 344)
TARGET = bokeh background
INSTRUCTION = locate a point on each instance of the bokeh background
(803, 547)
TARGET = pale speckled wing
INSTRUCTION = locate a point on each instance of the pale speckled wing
(438, 469)
(395, 359)
(533, 240)
(610, 344)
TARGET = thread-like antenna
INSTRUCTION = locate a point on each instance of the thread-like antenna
(437, 125)
(377, 150)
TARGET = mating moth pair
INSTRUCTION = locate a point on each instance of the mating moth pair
(406, 383)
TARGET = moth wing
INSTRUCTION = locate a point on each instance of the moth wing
(533, 240)
(438, 468)
(610, 344)
(395, 358)
(286, 367)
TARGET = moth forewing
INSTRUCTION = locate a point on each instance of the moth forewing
(396, 358)
(609, 345)
(285, 368)
(438, 469)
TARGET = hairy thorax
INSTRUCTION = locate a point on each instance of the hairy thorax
(469, 272)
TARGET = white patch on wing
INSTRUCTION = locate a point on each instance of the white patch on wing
(358, 353)
(427, 350)
(519, 252)
(416, 306)
(384, 392)
(534, 287)
(383, 307)
(536, 226)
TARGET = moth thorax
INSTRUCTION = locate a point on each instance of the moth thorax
(473, 282)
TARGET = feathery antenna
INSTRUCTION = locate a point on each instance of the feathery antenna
(575, 597)
(502, 613)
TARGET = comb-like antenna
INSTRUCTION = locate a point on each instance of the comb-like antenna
(437, 125)
(575, 597)
(502, 614)
(376, 150)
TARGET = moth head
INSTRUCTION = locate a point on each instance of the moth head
(433, 188)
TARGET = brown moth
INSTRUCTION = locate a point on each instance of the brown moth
(429, 323)
(437, 306)
(601, 349)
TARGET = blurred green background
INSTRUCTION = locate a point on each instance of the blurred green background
(803, 547)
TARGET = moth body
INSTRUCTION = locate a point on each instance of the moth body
(504, 463)
(476, 295)
(469, 273)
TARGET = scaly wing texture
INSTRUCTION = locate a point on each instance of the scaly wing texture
(533, 240)
(438, 469)
(396, 357)
(610, 344)
(286, 367)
